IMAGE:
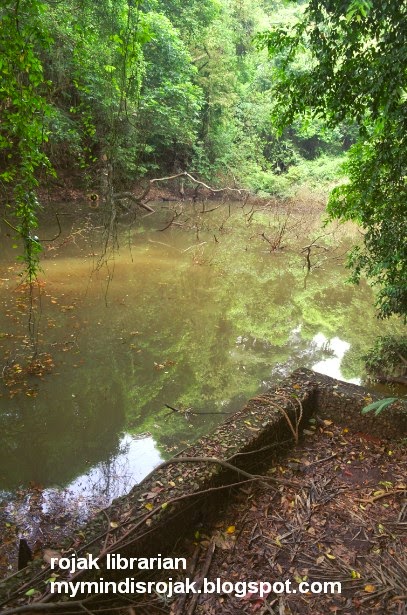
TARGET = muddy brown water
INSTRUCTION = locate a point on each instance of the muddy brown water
(200, 316)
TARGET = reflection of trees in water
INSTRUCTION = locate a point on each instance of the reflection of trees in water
(44, 445)
(302, 353)
(40, 513)
(244, 295)
(112, 477)
(170, 335)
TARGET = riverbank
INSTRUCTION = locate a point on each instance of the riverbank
(301, 197)
(202, 495)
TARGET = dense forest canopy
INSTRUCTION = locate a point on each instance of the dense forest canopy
(105, 94)
(356, 73)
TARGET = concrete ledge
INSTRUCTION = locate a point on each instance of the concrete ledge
(261, 423)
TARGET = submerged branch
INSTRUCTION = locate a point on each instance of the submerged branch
(132, 197)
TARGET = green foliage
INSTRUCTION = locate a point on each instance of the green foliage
(190, 18)
(379, 406)
(110, 92)
(318, 176)
(65, 86)
(97, 87)
(355, 54)
(388, 357)
(375, 197)
(22, 108)
(170, 101)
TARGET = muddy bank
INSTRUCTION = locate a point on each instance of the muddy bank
(175, 499)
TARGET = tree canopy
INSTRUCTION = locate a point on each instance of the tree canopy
(109, 93)
(355, 72)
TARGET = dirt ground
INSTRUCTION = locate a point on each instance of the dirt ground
(340, 515)
(331, 509)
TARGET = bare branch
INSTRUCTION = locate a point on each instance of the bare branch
(131, 197)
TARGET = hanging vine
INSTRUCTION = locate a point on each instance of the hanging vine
(123, 78)
(23, 107)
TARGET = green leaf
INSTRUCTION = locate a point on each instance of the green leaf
(379, 405)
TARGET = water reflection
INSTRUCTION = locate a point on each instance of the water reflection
(331, 366)
(200, 316)
(112, 478)
(41, 514)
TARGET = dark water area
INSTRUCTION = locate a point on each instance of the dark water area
(201, 316)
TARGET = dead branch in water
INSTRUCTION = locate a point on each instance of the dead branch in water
(132, 197)
(140, 200)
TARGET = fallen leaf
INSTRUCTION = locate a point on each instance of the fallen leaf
(370, 588)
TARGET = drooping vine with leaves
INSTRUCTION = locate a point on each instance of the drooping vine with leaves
(23, 107)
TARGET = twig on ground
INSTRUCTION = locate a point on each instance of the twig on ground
(322, 460)
(381, 495)
(205, 569)
(191, 572)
